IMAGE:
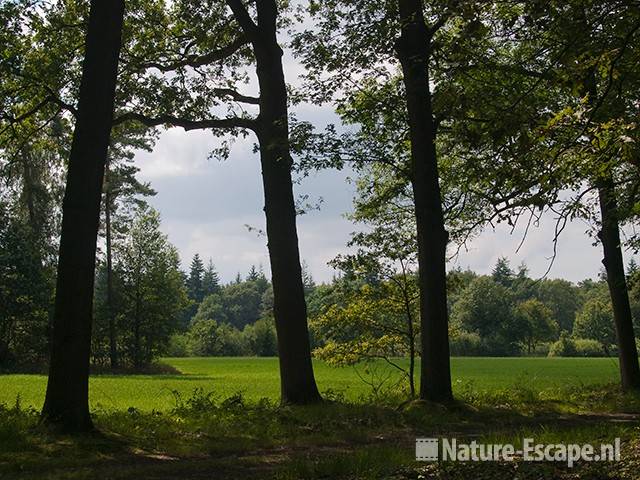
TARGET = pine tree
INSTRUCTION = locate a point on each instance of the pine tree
(307, 278)
(210, 280)
(253, 274)
(502, 272)
(195, 286)
(632, 267)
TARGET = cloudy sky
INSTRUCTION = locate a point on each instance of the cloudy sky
(207, 207)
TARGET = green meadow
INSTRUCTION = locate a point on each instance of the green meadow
(257, 378)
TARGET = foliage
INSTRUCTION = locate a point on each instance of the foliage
(486, 308)
(150, 292)
(537, 320)
(595, 322)
(260, 338)
(25, 295)
(564, 347)
(466, 344)
(373, 322)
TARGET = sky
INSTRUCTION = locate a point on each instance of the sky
(214, 209)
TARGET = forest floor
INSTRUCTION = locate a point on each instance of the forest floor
(233, 439)
(218, 436)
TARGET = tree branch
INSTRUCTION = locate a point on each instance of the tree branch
(243, 18)
(196, 61)
(186, 124)
(237, 96)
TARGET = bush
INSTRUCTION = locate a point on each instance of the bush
(178, 345)
(564, 347)
(261, 339)
(586, 347)
(466, 344)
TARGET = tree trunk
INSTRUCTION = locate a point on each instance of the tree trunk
(298, 385)
(27, 191)
(413, 52)
(411, 335)
(113, 350)
(137, 346)
(616, 279)
(66, 401)
(613, 262)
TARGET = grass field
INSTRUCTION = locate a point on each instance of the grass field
(258, 377)
(199, 436)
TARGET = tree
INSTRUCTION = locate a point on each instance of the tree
(569, 132)
(562, 297)
(261, 338)
(370, 38)
(384, 265)
(253, 274)
(165, 45)
(66, 400)
(414, 49)
(307, 279)
(486, 308)
(271, 127)
(210, 280)
(373, 323)
(120, 187)
(594, 321)
(241, 303)
(148, 269)
(25, 290)
(537, 320)
(502, 273)
(195, 279)
(203, 337)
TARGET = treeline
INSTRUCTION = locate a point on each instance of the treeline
(235, 319)
(506, 313)
(509, 313)
(226, 320)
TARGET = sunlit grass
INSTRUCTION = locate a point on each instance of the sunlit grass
(258, 377)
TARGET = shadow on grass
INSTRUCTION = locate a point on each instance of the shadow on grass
(233, 438)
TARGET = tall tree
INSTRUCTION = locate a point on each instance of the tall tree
(181, 61)
(153, 294)
(290, 310)
(67, 397)
(573, 78)
(370, 58)
(210, 280)
(121, 188)
(413, 48)
(258, 28)
(195, 279)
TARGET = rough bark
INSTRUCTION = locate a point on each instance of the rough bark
(616, 279)
(66, 402)
(298, 385)
(413, 52)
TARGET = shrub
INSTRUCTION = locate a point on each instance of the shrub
(586, 347)
(564, 347)
(178, 345)
(466, 344)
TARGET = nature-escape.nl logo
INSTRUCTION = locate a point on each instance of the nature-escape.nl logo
(450, 449)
